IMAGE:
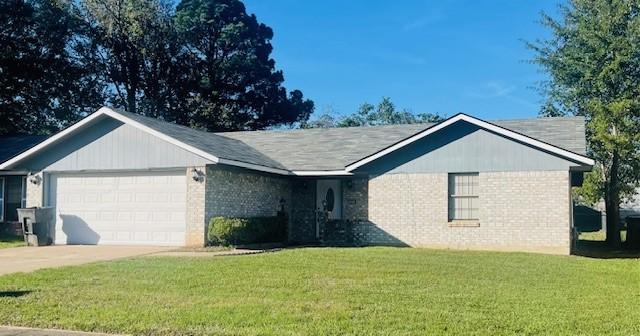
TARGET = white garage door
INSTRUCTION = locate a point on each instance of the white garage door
(119, 208)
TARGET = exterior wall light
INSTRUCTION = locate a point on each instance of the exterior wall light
(34, 178)
(350, 184)
(197, 175)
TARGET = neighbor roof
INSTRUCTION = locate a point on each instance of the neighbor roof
(11, 146)
(334, 150)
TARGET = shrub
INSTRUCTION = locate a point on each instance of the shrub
(253, 230)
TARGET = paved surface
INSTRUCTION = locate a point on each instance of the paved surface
(27, 259)
(6, 331)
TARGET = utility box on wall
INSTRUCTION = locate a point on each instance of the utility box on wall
(38, 225)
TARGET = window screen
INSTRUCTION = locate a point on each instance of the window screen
(463, 196)
(1, 199)
(23, 198)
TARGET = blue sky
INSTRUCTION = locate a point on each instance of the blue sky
(428, 56)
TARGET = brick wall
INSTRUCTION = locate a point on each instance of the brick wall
(240, 193)
(355, 202)
(302, 226)
(35, 192)
(523, 211)
(196, 224)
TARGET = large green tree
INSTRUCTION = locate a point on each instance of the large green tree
(133, 46)
(593, 59)
(204, 63)
(233, 82)
(43, 84)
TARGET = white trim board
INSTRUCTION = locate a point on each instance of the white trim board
(483, 124)
(321, 173)
(115, 115)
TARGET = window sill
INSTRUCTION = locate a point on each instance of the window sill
(464, 223)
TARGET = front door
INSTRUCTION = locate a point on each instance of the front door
(328, 204)
(329, 198)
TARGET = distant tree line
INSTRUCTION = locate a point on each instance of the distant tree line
(203, 63)
(384, 113)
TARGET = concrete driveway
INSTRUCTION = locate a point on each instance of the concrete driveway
(27, 259)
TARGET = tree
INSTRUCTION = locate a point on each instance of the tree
(43, 85)
(385, 113)
(133, 48)
(233, 82)
(204, 64)
(593, 59)
(327, 119)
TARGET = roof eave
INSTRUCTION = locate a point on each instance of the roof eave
(580, 159)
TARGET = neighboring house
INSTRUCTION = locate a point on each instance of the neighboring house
(121, 178)
(13, 182)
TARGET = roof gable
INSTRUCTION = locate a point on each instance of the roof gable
(580, 159)
(109, 144)
(198, 142)
(336, 151)
(465, 147)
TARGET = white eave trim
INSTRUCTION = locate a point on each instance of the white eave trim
(254, 166)
(49, 140)
(483, 124)
(109, 112)
(321, 173)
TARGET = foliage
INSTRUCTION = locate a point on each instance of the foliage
(238, 231)
(234, 84)
(592, 189)
(334, 291)
(205, 64)
(593, 59)
(43, 85)
(133, 46)
(385, 113)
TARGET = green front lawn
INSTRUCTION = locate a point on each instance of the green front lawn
(7, 241)
(600, 235)
(334, 291)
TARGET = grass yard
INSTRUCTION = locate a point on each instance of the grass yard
(334, 291)
(7, 241)
(600, 235)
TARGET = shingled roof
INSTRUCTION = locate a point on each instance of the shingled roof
(333, 149)
(217, 145)
(11, 146)
(326, 149)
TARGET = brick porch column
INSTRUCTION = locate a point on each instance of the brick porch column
(195, 231)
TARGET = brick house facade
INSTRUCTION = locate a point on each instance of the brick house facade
(463, 183)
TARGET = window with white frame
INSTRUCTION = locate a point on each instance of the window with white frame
(463, 196)
(23, 199)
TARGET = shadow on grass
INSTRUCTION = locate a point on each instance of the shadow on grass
(14, 294)
(600, 249)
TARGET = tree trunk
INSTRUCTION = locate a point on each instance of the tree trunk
(131, 100)
(612, 205)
